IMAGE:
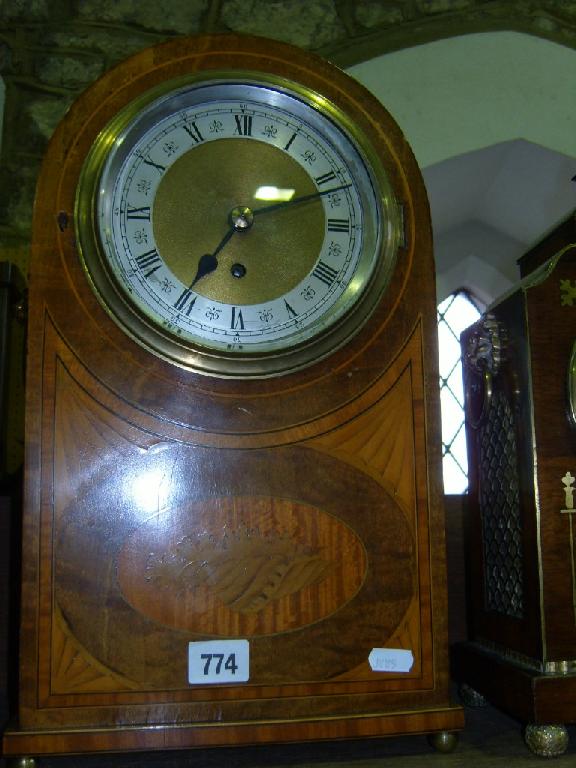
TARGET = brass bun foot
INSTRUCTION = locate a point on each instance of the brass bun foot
(443, 741)
(21, 762)
(471, 697)
(546, 740)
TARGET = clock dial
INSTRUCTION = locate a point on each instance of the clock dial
(236, 225)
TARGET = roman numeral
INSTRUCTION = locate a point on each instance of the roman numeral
(338, 225)
(325, 273)
(325, 178)
(185, 298)
(148, 161)
(243, 125)
(138, 213)
(291, 311)
(149, 259)
(289, 142)
(194, 132)
(237, 319)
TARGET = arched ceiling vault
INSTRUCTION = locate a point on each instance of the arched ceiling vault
(374, 28)
(491, 118)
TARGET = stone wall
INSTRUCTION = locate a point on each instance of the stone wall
(51, 50)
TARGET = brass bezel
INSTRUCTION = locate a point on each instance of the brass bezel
(197, 357)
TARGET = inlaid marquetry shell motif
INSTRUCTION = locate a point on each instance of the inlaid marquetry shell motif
(245, 569)
(244, 565)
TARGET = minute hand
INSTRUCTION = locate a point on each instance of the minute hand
(297, 200)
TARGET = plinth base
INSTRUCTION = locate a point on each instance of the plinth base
(544, 703)
(17, 743)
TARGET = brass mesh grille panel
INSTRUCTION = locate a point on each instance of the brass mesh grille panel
(499, 500)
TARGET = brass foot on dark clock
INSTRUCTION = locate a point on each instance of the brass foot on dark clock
(546, 740)
(471, 697)
(21, 762)
(443, 741)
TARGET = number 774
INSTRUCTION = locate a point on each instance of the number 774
(218, 659)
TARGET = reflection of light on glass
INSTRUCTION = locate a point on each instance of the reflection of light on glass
(355, 285)
(274, 193)
(319, 100)
(149, 491)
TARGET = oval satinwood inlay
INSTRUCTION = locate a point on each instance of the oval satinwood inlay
(241, 566)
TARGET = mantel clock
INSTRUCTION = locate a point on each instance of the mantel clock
(232, 527)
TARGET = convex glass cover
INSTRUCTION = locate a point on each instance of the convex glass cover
(236, 227)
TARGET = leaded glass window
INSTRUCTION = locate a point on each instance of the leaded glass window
(455, 313)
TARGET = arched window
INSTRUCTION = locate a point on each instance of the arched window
(455, 313)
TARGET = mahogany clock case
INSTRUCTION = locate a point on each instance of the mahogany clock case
(163, 506)
(520, 379)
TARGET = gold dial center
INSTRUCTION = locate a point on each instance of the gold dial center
(218, 185)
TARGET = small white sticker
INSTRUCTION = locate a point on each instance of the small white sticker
(390, 660)
(219, 661)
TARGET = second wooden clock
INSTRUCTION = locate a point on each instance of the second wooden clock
(233, 523)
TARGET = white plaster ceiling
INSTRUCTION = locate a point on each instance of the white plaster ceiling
(492, 205)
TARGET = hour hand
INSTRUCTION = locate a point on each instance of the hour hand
(207, 263)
